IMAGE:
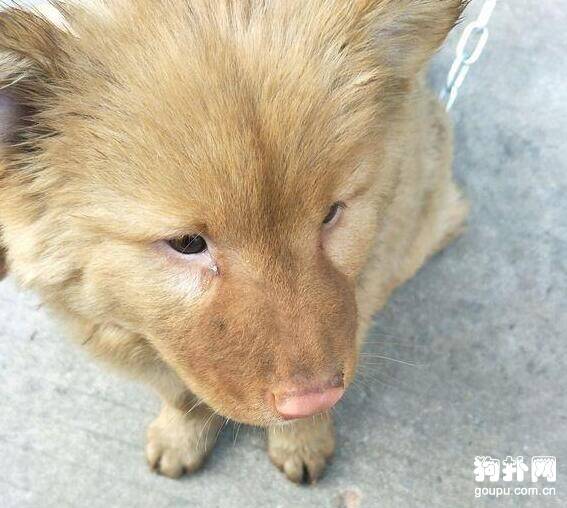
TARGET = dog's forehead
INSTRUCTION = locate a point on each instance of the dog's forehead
(214, 148)
(242, 166)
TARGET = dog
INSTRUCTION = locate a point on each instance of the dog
(216, 196)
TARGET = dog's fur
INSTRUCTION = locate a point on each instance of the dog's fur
(242, 120)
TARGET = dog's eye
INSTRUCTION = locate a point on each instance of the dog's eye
(334, 213)
(189, 244)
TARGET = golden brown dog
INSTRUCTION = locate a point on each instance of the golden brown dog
(217, 195)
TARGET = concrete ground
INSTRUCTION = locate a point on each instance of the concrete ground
(484, 325)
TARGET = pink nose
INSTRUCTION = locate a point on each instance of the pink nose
(299, 402)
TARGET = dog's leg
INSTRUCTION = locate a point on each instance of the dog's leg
(179, 440)
(185, 431)
(302, 448)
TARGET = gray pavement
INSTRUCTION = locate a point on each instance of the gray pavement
(484, 323)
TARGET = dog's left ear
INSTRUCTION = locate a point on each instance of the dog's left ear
(32, 62)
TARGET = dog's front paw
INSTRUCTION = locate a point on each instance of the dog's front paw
(178, 442)
(301, 449)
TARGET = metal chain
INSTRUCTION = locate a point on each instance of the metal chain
(466, 57)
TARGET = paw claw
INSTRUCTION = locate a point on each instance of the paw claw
(174, 444)
(302, 450)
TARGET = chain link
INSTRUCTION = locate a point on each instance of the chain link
(475, 33)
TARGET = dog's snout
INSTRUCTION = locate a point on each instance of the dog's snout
(299, 400)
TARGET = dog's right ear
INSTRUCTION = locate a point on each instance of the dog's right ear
(32, 67)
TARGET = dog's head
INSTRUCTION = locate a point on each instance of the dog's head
(211, 175)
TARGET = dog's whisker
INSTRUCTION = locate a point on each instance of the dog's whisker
(396, 360)
(206, 428)
(225, 423)
(381, 381)
(197, 404)
(370, 376)
(393, 343)
(235, 436)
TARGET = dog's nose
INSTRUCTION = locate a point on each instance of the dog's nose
(308, 399)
